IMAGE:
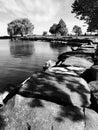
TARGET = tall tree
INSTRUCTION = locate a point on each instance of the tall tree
(20, 27)
(59, 28)
(77, 30)
(87, 10)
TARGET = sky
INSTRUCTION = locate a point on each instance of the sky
(42, 13)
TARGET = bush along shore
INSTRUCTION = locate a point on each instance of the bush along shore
(63, 96)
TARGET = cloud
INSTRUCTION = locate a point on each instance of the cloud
(37, 10)
(42, 13)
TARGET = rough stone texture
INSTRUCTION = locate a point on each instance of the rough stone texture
(94, 94)
(88, 56)
(62, 89)
(49, 101)
(78, 61)
(94, 86)
(22, 113)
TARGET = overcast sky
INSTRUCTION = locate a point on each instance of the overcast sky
(42, 13)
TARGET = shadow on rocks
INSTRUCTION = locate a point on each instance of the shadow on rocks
(52, 88)
(35, 103)
(72, 112)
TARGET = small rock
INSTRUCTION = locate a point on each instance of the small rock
(94, 94)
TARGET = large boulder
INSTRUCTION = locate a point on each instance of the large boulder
(78, 61)
(87, 49)
(63, 89)
(22, 113)
(88, 56)
(77, 64)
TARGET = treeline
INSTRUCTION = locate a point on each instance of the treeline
(25, 27)
(84, 9)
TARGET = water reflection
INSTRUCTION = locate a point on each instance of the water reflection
(56, 45)
(60, 48)
(19, 59)
(21, 48)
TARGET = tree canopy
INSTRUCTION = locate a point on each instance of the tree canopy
(87, 10)
(53, 29)
(44, 33)
(20, 27)
(59, 28)
(77, 30)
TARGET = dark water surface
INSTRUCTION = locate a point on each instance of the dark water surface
(20, 59)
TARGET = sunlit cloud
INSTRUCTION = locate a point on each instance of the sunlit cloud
(35, 9)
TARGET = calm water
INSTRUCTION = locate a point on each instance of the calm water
(20, 59)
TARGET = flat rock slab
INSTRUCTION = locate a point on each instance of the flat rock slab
(86, 50)
(78, 61)
(34, 114)
(76, 53)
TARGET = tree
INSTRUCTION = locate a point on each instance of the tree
(20, 27)
(77, 30)
(87, 10)
(53, 29)
(59, 28)
(44, 33)
(93, 22)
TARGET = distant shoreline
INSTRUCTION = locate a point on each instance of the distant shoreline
(5, 37)
(51, 37)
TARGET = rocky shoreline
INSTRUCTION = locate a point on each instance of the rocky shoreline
(63, 97)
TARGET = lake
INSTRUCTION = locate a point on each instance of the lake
(20, 59)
